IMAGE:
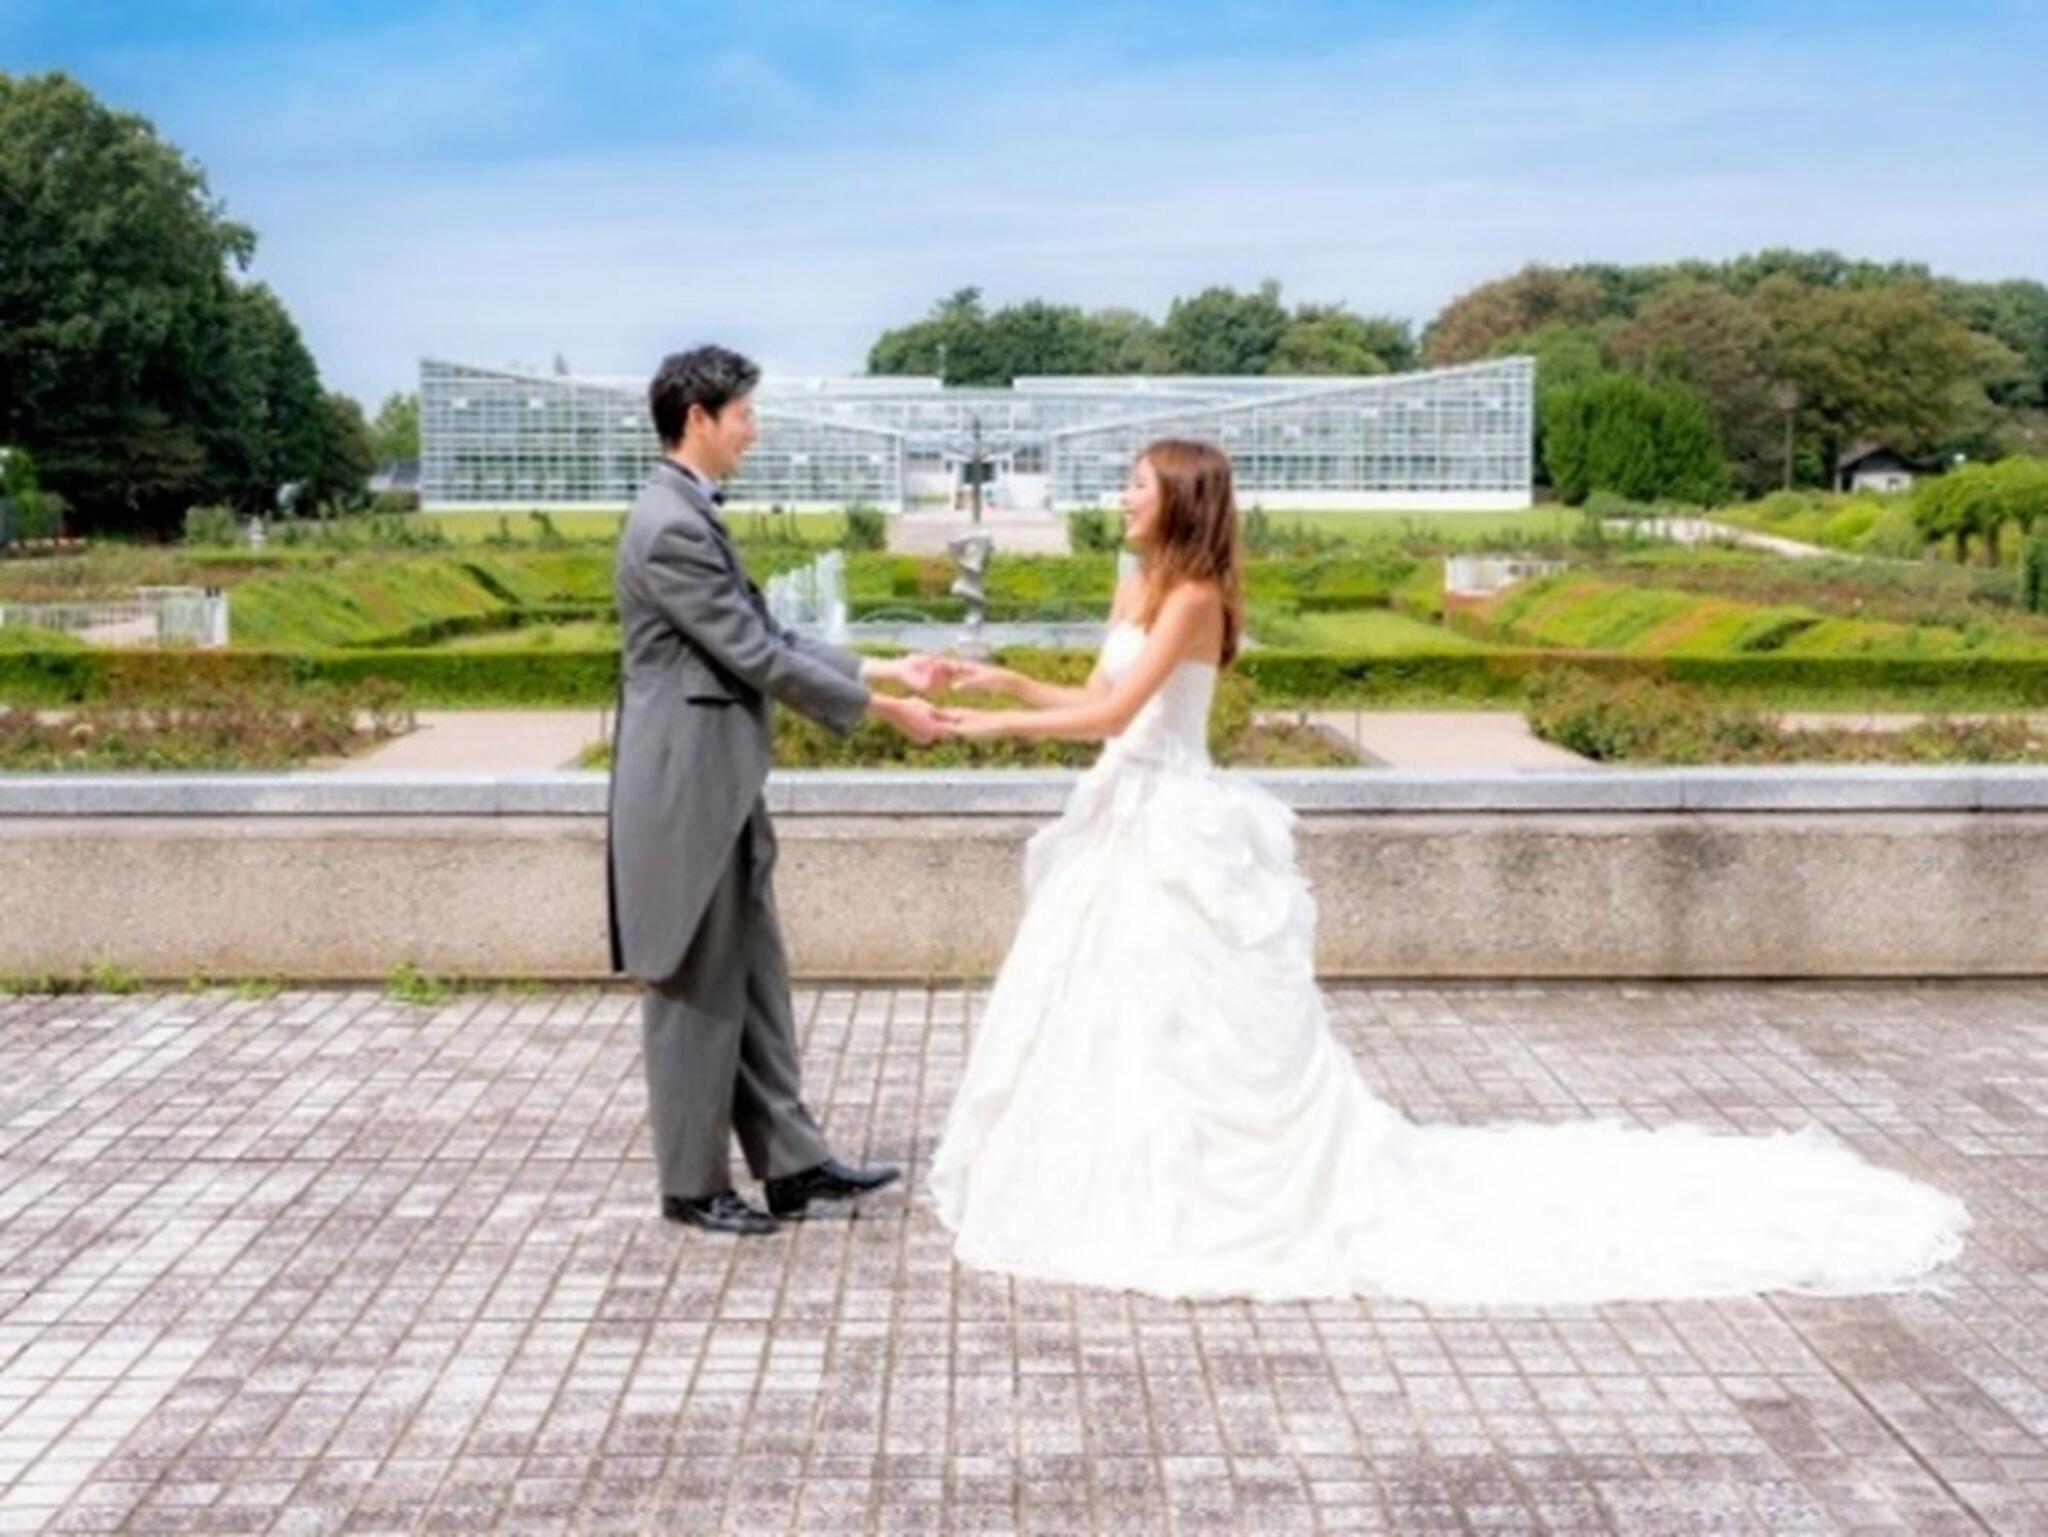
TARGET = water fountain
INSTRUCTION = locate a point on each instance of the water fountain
(813, 598)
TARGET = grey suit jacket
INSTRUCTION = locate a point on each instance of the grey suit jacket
(700, 660)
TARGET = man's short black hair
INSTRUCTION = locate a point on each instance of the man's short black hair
(704, 376)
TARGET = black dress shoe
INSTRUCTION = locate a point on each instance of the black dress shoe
(829, 1181)
(724, 1212)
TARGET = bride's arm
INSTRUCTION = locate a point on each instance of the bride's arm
(1036, 693)
(1104, 714)
(1027, 690)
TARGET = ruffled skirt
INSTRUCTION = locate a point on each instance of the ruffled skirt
(1154, 1100)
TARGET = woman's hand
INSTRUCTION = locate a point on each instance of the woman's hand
(919, 673)
(977, 724)
(959, 673)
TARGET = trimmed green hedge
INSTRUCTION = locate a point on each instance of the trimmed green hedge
(589, 676)
(429, 677)
(1300, 677)
(435, 631)
(1045, 586)
(21, 637)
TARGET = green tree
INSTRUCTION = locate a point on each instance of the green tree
(1221, 331)
(114, 296)
(1475, 324)
(1718, 343)
(1329, 339)
(2014, 313)
(344, 459)
(27, 511)
(1638, 439)
(1040, 338)
(1129, 342)
(395, 429)
(1980, 501)
(1565, 355)
(286, 428)
(1868, 363)
(951, 342)
(145, 377)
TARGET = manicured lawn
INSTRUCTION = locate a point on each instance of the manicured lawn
(1592, 613)
(1378, 632)
(576, 635)
(1454, 527)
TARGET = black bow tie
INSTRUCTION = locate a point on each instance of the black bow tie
(718, 498)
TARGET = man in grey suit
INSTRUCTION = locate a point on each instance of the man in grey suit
(690, 847)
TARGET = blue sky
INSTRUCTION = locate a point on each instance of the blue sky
(505, 182)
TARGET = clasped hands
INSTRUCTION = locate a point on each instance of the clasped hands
(918, 718)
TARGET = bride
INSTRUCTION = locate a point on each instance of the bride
(1154, 1098)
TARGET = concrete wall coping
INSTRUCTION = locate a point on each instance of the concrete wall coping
(1037, 792)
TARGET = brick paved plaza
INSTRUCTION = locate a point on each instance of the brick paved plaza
(329, 1262)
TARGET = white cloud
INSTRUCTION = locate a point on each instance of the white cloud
(1391, 176)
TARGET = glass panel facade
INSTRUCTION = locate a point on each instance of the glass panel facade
(1439, 434)
(496, 437)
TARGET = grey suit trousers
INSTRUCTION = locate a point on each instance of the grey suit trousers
(719, 1038)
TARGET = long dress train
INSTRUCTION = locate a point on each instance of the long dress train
(1154, 1100)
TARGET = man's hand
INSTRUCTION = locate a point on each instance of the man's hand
(923, 674)
(917, 719)
(919, 673)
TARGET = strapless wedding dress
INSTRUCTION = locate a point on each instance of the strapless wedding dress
(1154, 1100)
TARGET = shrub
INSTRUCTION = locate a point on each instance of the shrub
(1605, 504)
(1653, 720)
(1893, 534)
(867, 528)
(1263, 537)
(212, 525)
(776, 528)
(2034, 572)
(36, 513)
(1784, 506)
(1635, 717)
(1845, 528)
(1094, 531)
(39, 514)
(210, 723)
(1642, 439)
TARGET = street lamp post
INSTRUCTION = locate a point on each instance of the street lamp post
(977, 467)
(1786, 398)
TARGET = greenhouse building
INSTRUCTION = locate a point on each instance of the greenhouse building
(1438, 439)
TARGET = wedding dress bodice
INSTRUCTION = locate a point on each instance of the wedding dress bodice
(1173, 725)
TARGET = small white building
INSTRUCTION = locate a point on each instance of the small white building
(1873, 467)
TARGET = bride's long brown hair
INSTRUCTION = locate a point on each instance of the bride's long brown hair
(1198, 537)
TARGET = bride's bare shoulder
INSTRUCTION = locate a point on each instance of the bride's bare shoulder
(1199, 597)
(1201, 602)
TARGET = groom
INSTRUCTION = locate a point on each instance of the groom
(690, 847)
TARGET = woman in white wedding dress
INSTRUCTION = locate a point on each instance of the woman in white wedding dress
(1154, 1098)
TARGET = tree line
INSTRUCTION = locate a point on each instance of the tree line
(1693, 380)
(142, 372)
(1218, 331)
